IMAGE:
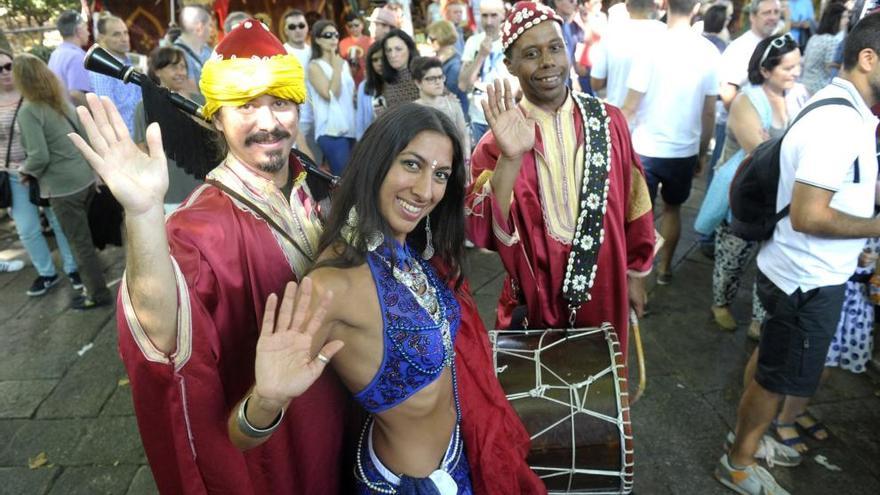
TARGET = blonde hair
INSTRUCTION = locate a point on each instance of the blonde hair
(37, 84)
(443, 32)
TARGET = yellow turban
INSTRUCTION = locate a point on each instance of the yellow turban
(248, 63)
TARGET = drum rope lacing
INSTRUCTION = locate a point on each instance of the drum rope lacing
(577, 404)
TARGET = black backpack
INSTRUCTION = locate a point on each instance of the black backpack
(754, 186)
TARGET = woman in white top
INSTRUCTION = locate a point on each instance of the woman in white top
(819, 53)
(331, 92)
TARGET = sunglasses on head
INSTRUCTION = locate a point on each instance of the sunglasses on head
(777, 43)
(327, 35)
(294, 26)
(6, 67)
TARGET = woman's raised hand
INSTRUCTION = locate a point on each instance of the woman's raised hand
(285, 365)
(514, 133)
(137, 180)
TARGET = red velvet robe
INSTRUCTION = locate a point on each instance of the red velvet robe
(229, 262)
(538, 262)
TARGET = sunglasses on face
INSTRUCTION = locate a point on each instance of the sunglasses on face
(6, 67)
(329, 35)
(777, 43)
(294, 26)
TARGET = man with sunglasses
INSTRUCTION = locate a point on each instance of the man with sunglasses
(295, 33)
(827, 178)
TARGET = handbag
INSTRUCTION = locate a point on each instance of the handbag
(5, 186)
(716, 203)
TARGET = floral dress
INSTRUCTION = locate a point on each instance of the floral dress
(852, 344)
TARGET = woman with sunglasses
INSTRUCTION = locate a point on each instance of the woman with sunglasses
(66, 180)
(761, 111)
(331, 92)
(24, 213)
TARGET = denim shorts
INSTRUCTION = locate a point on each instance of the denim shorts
(674, 174)
(795, 336)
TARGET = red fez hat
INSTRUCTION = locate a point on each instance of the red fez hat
(249, 39)
(524, 16)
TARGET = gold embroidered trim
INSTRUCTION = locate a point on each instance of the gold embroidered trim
(639, 198)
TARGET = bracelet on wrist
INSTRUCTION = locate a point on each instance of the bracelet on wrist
(252, 431)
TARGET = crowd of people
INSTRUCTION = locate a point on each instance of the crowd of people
(548, 132)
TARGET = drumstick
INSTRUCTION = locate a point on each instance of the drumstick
(640, 356)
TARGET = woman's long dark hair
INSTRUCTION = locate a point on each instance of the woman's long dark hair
(388, 73)
(317, 30)
(374, 83)
(370, 161)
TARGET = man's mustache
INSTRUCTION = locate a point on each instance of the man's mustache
(266, 136)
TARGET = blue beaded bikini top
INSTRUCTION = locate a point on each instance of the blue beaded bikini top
(416, 345)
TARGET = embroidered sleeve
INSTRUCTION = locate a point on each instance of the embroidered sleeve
(639, 201)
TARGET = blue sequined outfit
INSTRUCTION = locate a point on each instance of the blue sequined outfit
(414, 356)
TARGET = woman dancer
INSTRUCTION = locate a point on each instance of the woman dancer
(400, 204)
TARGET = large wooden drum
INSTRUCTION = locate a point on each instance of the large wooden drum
(569, 388)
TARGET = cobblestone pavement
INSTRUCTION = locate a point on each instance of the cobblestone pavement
(67, 426)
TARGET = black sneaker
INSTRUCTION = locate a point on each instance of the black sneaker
(42, 285)
(83, 303)
(75, 281)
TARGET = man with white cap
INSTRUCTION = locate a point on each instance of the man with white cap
(194, 289)
(558, 191)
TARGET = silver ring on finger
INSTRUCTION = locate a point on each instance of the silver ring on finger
(324, 359)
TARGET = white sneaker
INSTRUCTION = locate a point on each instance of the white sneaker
(11, 265)
(751, 480)
(771, 451)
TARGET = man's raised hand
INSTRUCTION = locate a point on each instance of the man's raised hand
(514, 133)
(137, 180)
(285, 365)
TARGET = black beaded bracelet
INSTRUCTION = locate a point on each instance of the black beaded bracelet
(252, 431)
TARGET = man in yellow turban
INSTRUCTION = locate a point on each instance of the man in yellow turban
(193, 294)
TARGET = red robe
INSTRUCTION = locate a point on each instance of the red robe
(538, 261)
(495, 439)
(229, 262)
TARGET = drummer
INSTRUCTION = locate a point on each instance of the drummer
(415, 352)
(568, 213)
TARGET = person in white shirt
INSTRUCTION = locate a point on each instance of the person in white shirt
(670, 106)
(295, 33)
(827, 177)
(612, 57)
(482, 63)
(733, 72)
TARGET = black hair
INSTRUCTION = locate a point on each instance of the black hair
(864, 35)
(351, 16)
(774, 57)
(388, 73)
(830, 21)
(162, 57)
(714, 19)
(317, 30)
(374, 81)
(421, 65)
(371, 159)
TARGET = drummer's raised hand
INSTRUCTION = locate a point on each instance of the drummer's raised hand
(514, 132)
(136, 179)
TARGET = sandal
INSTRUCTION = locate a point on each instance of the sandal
(816, 428)
(796, 442)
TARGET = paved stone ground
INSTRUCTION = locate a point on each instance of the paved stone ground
(64, 396)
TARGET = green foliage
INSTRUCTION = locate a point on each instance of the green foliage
(33, 13)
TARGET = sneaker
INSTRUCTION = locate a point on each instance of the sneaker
(42, 285)
(75, 281)
(723, 318)
(11, 265)
(83, 303)
(751, 480)
(771, 451)
(664, 278)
